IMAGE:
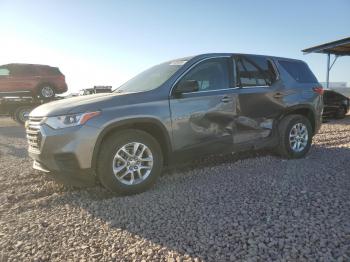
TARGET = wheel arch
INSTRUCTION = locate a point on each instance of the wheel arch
(149, 125)
(346, 105)
(303, 110)
(41, 84)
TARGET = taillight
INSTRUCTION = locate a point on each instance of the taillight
(319, 90)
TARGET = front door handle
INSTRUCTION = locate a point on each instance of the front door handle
(226, 99)
(278, 95)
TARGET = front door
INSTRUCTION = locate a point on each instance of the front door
(18, 79)
(4, 79)
(203, 119)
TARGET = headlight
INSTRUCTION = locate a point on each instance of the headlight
(58, 122)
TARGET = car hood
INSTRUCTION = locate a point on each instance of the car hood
(78, 104)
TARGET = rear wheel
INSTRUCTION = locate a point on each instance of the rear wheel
(46, 91)
(295, 136)
(129, 162)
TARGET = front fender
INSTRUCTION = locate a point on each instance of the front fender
(129, 123)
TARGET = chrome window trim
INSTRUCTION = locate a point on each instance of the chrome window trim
(274, 68)
(190, 68)
(254, 86)
(234, 68)
(207, 91)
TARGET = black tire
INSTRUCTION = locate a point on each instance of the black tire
(341, 112)
(284, 148)
(108, 150)
(20, 115)
(46, 91)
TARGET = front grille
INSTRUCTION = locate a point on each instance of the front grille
(33, 133)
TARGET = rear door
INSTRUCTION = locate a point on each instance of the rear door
(259, 99)
(204, 119)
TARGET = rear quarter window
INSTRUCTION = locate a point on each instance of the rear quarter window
(48, 71)
(54, 71)
(299, 71)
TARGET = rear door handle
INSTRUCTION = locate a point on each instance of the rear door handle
(226, 99)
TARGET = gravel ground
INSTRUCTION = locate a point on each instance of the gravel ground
(251, 207)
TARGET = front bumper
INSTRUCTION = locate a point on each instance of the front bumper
(67, 153)
(74, 177)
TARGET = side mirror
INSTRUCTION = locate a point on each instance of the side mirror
(186, 86)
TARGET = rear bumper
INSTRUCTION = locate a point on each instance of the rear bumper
(61, 88)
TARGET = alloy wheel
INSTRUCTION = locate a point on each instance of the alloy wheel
(298, 137)
(47, 92)
(132, 163)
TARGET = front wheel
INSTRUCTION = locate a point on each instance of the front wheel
(295, 136)
(129, 162)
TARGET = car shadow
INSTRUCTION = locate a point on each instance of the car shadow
(12, 131)
(18, 152)
(9, 131)
(162, 215)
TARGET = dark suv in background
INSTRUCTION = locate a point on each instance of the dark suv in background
(29, 79)
(176, 111)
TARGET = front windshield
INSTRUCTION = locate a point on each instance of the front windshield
(152, 77)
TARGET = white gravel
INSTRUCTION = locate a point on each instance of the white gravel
(250, 207)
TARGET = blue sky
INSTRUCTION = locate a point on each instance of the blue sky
(107, 42)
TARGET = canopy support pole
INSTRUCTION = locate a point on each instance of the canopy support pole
(328, 69)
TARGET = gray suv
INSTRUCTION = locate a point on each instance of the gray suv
(173, 112)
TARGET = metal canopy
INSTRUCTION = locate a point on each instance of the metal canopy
(337, 48)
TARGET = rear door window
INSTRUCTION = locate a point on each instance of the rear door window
(52, 71)
(27, 71)
(255, 71)
(299, 71)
